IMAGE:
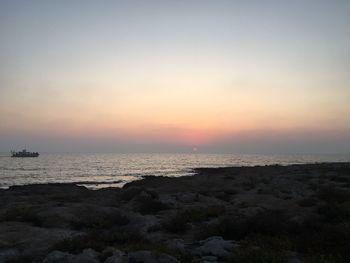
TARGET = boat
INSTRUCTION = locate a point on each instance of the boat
(24, 153)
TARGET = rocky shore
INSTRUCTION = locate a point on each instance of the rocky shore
(296, 213)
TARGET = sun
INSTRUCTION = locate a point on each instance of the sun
(194, 149)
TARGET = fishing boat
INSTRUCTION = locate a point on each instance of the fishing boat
(24, 153)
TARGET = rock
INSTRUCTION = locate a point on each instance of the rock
(111, 251)
(113, 255)
(176, 245)
(130, 192)
(144, 256)
(187, 197)
(141, 257)
(87, 256)
(293, 258)
(57, 257)
(209, 259)
(8, 254)
(35, 219)
(168, 200)
(144, 194)
(298, 220)
(116, 259)
(215, 246)
(164, 258)
(31, 240)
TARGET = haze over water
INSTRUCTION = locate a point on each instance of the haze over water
(114, 170)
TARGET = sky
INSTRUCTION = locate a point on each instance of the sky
(167, 76)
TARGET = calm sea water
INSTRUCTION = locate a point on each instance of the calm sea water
(114, 170)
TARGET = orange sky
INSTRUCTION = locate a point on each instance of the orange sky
(174, 72)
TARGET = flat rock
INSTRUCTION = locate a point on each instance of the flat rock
(209, 259)
(87, 256)
(114, 255)
(144, 256)
(177, 245)
(29, 239)
(7, 254)
(214, 246)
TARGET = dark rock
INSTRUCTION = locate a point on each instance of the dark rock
(8, 254)
(215, 246)
(144, 256)
(58, 257)
(87, 256)
(209, 259)
(31, 240)
(114, 255)
(187, 197)
(176, 245)
(287, 200)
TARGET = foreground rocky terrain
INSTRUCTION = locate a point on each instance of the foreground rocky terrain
(297, 213)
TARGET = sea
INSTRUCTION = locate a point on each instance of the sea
(114, 170)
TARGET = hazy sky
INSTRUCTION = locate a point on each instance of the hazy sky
(164, 76)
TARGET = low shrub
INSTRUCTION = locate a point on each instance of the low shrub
(149, 205)
(324, 258)
(179, 223)
(258, 255)
(22, 214)
(270, 223)
(129, 193)
(100, 221)
(334, 213)
(341, 179)
(21, 259)
(98, 240)
(333, 194)
(308, 202)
